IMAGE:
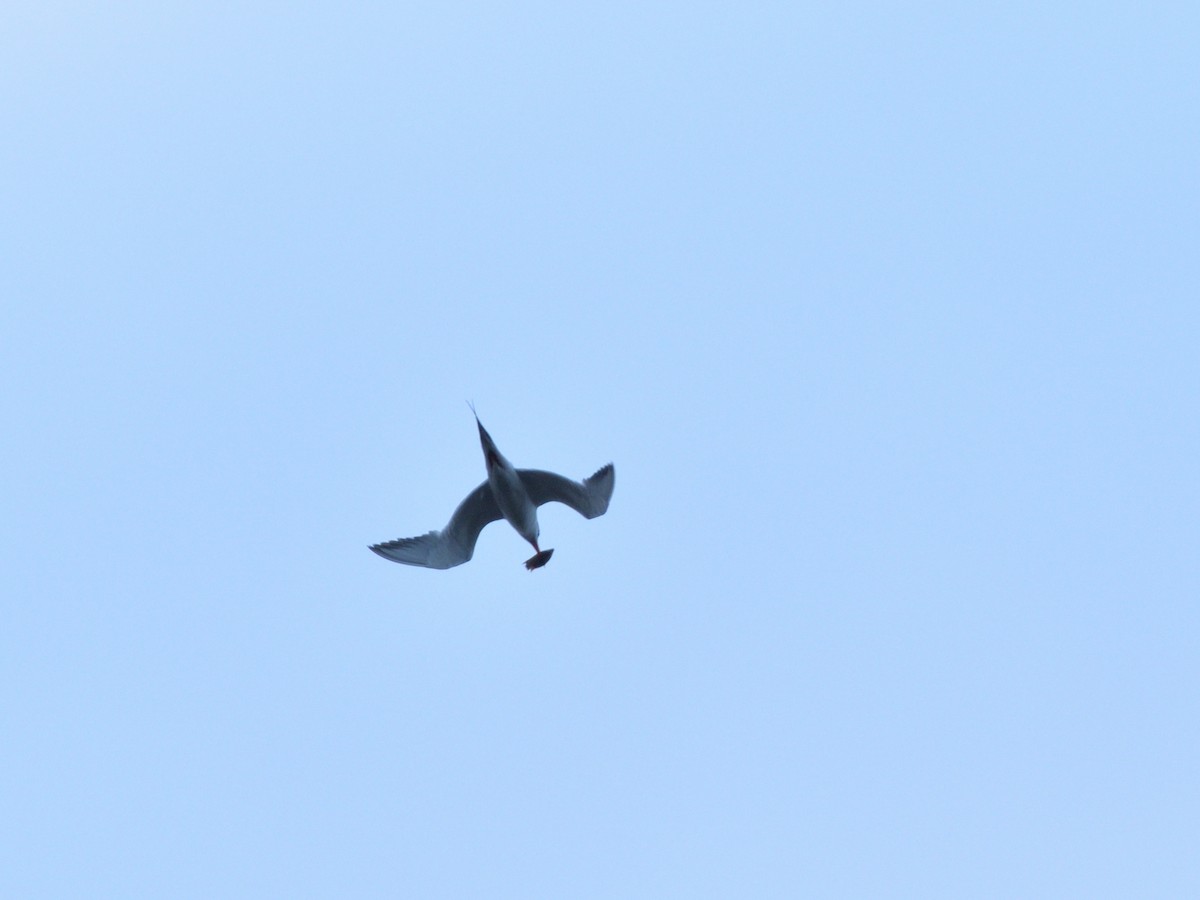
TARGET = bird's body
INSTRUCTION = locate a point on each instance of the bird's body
(509, 493)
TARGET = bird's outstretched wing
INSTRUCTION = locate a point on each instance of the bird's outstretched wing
(454, 544)
(588, 498)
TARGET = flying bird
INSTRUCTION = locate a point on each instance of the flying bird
(509, 493)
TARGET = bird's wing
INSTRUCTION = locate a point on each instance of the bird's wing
(588, 498)
(454, 544)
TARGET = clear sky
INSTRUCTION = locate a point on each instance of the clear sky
(887, 316)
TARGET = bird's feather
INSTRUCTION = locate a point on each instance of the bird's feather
(454, 544)
(589, 497)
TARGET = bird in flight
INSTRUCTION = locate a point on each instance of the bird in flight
(509, 493)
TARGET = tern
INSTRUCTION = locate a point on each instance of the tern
(509, 493)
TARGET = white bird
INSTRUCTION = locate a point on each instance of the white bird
(509, 493)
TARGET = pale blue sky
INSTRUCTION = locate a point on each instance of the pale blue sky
(886, 316)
